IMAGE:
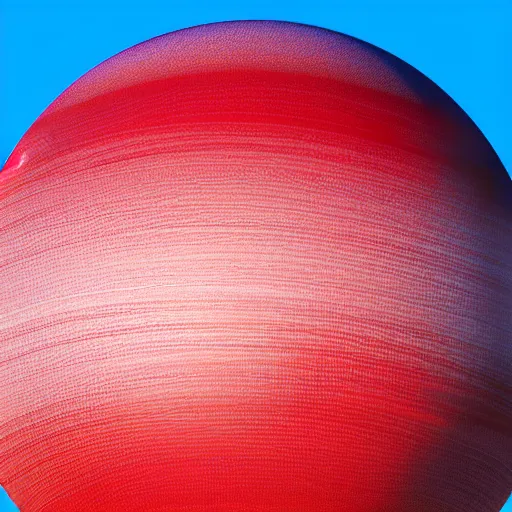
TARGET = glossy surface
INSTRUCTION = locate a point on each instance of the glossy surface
(255, 266)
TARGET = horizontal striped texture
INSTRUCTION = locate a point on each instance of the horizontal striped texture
(255, 266)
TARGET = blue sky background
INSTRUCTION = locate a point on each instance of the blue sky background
(462, 45)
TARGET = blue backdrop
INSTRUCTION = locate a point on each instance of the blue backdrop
(462, 45)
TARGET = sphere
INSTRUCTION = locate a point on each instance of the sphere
(255, 266)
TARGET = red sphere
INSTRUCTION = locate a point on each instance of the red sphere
(255, 266)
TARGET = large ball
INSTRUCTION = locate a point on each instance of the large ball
(255, 266)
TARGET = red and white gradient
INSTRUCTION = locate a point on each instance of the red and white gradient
(255, 266)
